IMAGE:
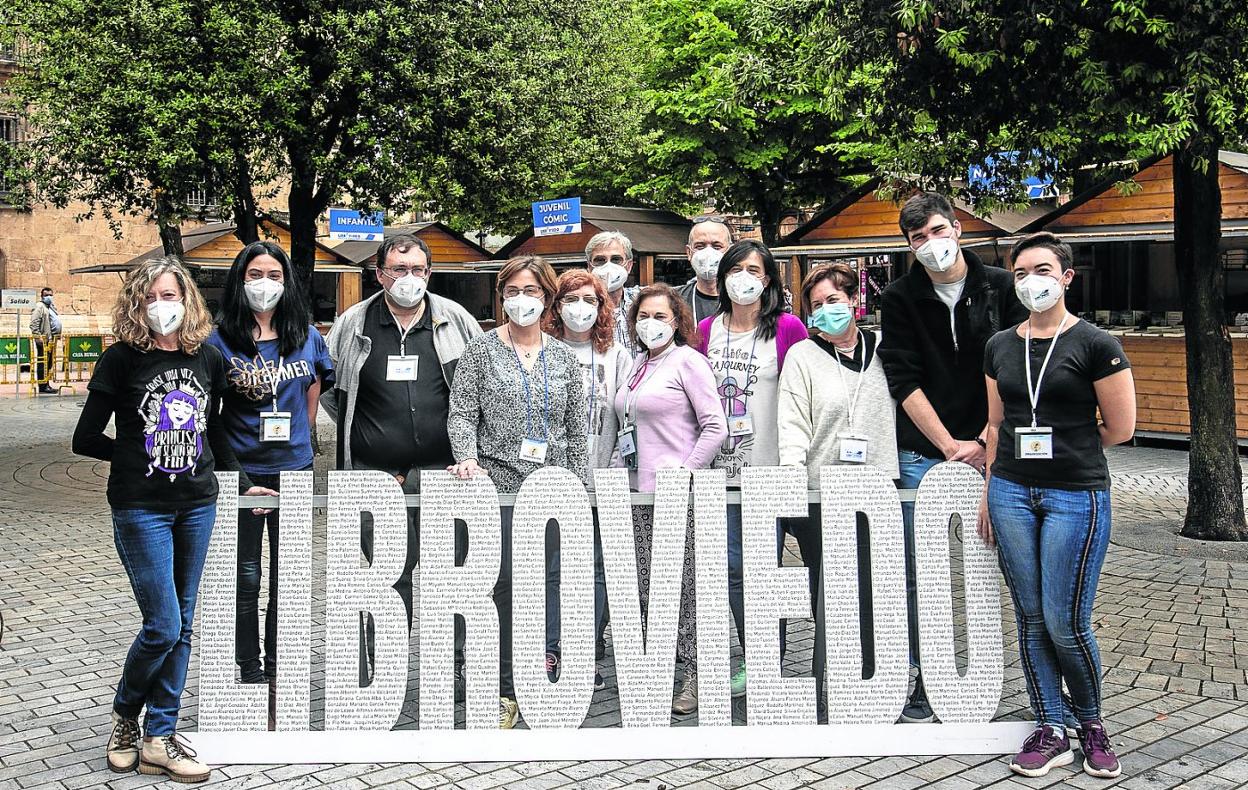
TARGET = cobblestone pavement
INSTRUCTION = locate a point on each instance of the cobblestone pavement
(1173, 631)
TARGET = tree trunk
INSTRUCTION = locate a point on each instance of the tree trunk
(768, 212)
(1215, 505)
(303, 215)
(246, 225)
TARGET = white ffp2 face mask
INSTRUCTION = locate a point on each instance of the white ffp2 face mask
(523, 310)
(578, 316)
(263, 294)
(613, 276)
(743, 288)
(706, 262)
(938, 255)
(654, 333)
(1038, 292)
(164, 318)
(408, 290)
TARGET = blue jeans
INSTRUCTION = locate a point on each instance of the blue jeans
(913, 467)
(736, 565)
(1051, 544)
(163, 553)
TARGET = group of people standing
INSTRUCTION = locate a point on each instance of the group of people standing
(975, 364)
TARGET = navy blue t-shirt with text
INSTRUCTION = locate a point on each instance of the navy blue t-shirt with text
(250, 392)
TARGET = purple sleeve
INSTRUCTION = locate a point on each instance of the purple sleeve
(704, 333)
(789, 332)
(699, 386)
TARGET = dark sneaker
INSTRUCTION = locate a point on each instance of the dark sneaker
(917, 711)
(123, 744)
(552, 666)
(1098, 753)
(1045, 748)
(599, 682)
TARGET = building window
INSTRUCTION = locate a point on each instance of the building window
(8, 137)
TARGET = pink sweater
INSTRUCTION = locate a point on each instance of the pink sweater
(676, 410)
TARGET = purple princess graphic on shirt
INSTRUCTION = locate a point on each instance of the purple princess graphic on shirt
(175, 415)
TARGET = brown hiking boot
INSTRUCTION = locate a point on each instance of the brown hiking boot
(172, 756)
(123, 744)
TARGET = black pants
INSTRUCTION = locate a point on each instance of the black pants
(251, 529)
(43, 359)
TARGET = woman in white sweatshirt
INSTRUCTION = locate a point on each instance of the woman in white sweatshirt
(835, 409)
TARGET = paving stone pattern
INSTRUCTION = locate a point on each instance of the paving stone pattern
(1173, 634)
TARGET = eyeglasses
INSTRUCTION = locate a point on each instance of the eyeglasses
(602, 260)
(592, 301)
(395, 272)
(718, 220)
(529, 290)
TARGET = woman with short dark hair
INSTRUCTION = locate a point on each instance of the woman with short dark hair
(1047, 504)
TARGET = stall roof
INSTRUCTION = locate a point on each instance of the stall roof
(446, 245)
(877, 246)
(860, 223)
(213, 246)
(652, 232)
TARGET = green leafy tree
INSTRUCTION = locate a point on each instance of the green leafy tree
(726, 116)
(467, 109)
(944, 84)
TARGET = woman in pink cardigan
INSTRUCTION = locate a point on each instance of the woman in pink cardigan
(670, 417)
(746, 342)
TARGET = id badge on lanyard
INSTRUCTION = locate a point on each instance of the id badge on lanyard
(533, 450)
(401, 368)
(275, 426)
(1033, 443)
(852, 448)
(742, 425)
(626, 441)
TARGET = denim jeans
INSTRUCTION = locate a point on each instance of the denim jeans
(913, 467)
(251, 529)
(736, 565)
(163, 554)
(1051, 544)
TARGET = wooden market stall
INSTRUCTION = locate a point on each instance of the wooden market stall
(862, 229)
(1127, 281)
(450, 251)
(210, 249)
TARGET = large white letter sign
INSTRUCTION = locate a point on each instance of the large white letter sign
(845, 492)
(644, 654)
(710, 529)
(350, 589)
(954, 488)
(294, 602)
(224, 705)
(446, 591)
(771, 592)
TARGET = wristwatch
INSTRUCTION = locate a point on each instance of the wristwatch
(980, 441)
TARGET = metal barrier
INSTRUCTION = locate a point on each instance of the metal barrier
(16, 352)
(80, 353)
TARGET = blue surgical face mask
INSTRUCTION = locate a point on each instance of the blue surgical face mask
(47, 300)
(832, 318)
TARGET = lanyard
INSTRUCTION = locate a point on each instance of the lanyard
(398, 325)
(1034, 394)
(636, 379)
(852, 402)
(745, 399)
(524, 377)
(593, 392)
(274, 375)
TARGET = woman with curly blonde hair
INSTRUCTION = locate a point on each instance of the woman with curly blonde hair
(162, 384)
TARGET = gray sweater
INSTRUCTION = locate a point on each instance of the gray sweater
(489, 418)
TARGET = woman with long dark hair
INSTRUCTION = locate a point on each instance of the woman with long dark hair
(276, 364)
(161, 384)
(746, 342)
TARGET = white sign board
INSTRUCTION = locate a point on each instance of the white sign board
(18, 299)
(688, 520)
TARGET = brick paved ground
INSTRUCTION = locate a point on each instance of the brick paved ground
(1173, 630)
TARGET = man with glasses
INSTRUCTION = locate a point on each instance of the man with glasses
(936, 320)
(709, 237)
(394, 358)
(610, 257)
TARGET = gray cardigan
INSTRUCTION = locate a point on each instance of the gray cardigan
(453, 327)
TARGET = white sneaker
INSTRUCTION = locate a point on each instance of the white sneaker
(508, 712)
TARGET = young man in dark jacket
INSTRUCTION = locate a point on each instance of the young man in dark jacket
(936, 320)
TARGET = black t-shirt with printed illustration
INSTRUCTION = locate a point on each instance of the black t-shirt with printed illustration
(1084, 355)
(162, 404)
